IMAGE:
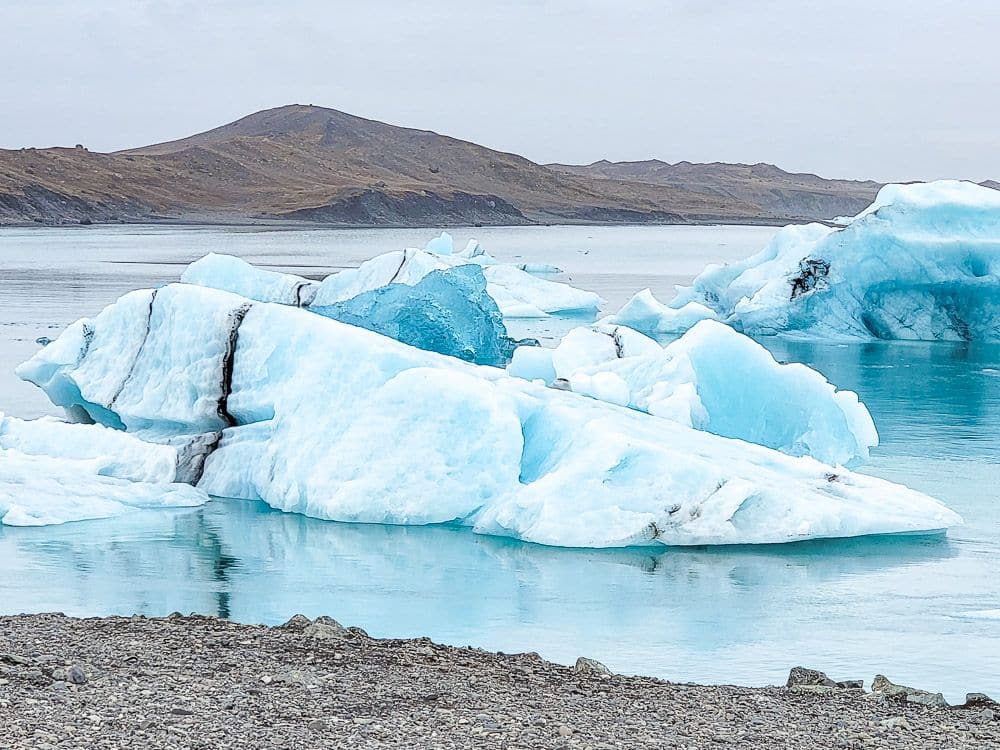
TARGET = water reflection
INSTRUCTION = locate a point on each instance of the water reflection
(644, 610)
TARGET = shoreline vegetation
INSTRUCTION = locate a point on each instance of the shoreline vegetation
(203, 682)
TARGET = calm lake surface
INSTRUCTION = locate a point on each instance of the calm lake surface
(923, 610)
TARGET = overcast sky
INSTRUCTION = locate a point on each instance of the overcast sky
(888, 89)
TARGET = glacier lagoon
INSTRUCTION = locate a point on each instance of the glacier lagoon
(923, 610)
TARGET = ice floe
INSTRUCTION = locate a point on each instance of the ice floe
(327, 419)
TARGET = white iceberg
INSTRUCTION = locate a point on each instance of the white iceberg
(711, 378)
(443, 244)
(646, 314)
(53, 472)
(922, 262)
(337, 422)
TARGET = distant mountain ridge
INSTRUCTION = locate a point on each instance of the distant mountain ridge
(775, 191)
(307, 163)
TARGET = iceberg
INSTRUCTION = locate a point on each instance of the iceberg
(447, 311)
(517, 293)
(54, 472)
(712, 378)
(338, 422)
(441, 245)
(646, 314)
(922, 262)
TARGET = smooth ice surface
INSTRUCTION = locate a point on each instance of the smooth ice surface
(52, 472)
(114, 453)
(447, 311)
(711, 378)
(232, 274)
(922, 262)
(646, 314)
(337, 422)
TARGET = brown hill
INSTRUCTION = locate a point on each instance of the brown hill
(774, 191)
(316, 164)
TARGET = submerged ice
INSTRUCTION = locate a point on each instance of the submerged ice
(330, 420)
(922, 262)
(711, 378)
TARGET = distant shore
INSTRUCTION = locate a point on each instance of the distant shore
(234, 222)
(201, 682)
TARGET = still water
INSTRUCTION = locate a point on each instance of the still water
(925, 611)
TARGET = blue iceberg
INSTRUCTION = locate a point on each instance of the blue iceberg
(448, 311)
(921, 263)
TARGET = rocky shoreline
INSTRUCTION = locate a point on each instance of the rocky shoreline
(201, 682)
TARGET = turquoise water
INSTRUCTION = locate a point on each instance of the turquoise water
(924, 610)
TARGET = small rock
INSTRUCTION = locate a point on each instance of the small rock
(317, 725)
(293, 677)
(297, 623)
(76, 675)
(15, 660)
(566, 731)
(180, 711)
(592, 666)
(800, 676)
(146, 723)
(325, 629)
(884, 686)
(851, 684)
(987, 714)
(979, 699)
(896, 722)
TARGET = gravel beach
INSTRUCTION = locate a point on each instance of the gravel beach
(199, 682)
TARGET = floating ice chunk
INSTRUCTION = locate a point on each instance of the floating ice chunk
(42, 490)
(114, 453)
(539, 269)
(513, 287)
(447, 311)
(646, 314)
(441, 245)
(56, 472)
(337, 422)
(235, 275)
(713, 379)
(922, 262)
(517, 293)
